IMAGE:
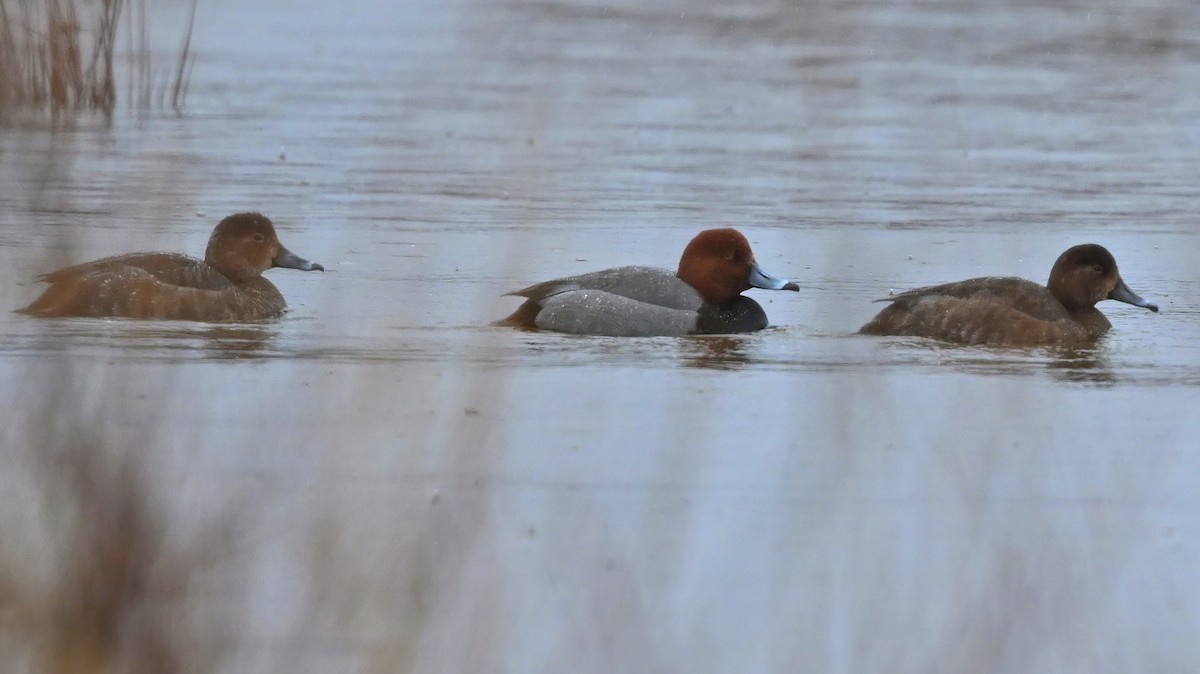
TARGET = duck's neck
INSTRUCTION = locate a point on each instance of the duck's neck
(1091, 319)
(255, 284)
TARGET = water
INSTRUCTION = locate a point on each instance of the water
(413, 489)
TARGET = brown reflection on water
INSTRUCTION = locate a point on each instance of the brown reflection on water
(241, 342)
(150, 340)
(715, 353)
(185, 339)
(1082, 366)
(1076, 365)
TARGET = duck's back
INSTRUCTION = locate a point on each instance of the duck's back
(622, 301)
(155, 286)
(649, 285)
(989, 310)
(169, 268)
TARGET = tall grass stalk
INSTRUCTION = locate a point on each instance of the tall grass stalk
(42, 64)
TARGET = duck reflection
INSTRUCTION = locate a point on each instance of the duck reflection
(222, 342)
(715, 353)
(205, 341)
(1088, 366)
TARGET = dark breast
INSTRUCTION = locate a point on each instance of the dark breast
(741, 315)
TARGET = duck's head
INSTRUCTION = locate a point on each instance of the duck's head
(719, 264)
(244, 245)
(1086, 274)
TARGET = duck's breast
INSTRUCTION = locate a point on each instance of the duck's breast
(741, 315)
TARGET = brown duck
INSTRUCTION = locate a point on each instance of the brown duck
(1004, 311)
(227, 286)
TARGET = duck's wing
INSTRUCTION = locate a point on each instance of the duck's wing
(649, 285)
(993, 310)
(973, 321)
(597, 312)
(152, 289)
(167, 268)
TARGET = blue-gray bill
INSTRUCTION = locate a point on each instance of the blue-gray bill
(290, 260)
(1122, 293)
(761, 279)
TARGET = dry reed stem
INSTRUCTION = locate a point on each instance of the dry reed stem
(42, 66)
(183, 72)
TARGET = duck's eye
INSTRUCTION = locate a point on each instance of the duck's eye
(1099, 269)
(260, 238)
(731, 255)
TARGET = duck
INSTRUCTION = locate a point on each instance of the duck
(703, 296)
(226, 286)
(1008, 311)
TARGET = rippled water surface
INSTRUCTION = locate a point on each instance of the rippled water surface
(402, 486)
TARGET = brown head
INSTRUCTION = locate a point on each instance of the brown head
(244, 245)
(1085, 274)
(720, 265)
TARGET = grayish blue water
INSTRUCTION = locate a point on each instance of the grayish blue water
(416, 490)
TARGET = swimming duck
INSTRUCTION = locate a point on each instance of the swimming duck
(227, 286)
(703, 296)
(1005, 311)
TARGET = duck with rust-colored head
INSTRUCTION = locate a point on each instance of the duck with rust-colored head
(1004, 311)
(226, 286)
(703, 297)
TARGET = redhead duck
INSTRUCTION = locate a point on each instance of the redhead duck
(702, 297)
(1003, 311)
(227, 286)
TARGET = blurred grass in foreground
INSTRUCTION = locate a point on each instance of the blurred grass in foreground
(100, 587)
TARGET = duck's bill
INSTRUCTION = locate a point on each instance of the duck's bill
(290, 260)
(761, 279)
(1122, 293)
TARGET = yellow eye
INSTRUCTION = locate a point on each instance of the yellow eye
(731, 255)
